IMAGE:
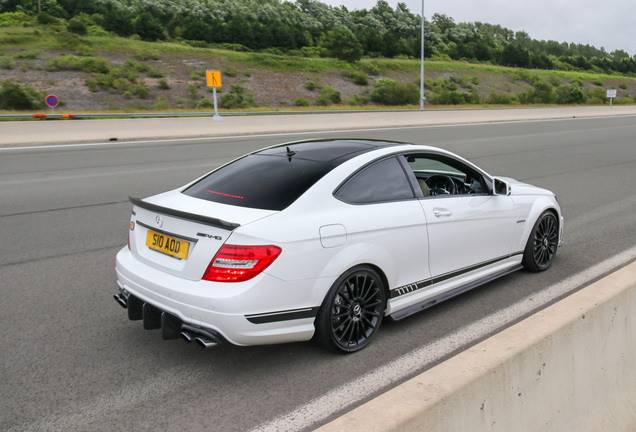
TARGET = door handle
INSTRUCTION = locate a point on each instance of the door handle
(440, 212)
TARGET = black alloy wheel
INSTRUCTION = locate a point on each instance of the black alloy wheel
(352, 311)
(542, 244)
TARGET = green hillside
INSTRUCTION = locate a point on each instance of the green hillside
(104, 72)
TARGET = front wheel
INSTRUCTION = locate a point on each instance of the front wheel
(352, 312)
(542, 244)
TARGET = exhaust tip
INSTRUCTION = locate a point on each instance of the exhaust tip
(187, 336)
(121, 300)
(205, 342)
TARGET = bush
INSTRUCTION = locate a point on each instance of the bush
(153, 72)
(388, 92)
(193, 91)
(578, 81)
(205, 103)
(14, 19)
(230, 72)
(16, 96)
(502, 99)
(162, 104)
(310, 85)
(76, 25)
(455, 97)
(163, 84)
(238, 97)
(597, 82)
(95, 30)
(146, 55)
(46, 19)
(233, 47)
(623, 101)
(554, 80)
(301, 102)
(87, 64)
(91, 83)
(31, 55)
(371, 67)
(623, 86)
(358, 100)
(360, 78)
(570, 94)
(543, 92)
(142, 91)
(597, 95)
(328, 96)
(7, 63)
(308, 52)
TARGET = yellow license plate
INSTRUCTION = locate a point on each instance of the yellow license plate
(168, 245)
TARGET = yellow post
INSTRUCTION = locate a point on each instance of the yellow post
(214, 81)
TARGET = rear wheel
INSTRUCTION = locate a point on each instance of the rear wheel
(542, 244)
(352, 312)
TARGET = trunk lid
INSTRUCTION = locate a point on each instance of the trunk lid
(180, 234)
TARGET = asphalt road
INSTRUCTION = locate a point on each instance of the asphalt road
(70, 359)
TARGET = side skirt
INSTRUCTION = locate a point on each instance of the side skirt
(408, 311)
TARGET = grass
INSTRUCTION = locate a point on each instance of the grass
(39, 43)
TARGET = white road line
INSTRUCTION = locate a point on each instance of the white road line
(353, 392)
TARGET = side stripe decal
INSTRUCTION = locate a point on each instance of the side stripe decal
(415, 286)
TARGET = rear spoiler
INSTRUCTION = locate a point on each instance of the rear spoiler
(230, 226)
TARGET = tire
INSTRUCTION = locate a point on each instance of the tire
(352, 311)
(542, 244)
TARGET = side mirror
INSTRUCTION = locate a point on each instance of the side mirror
(501, 187)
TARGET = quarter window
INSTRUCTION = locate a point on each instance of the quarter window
(379, 182)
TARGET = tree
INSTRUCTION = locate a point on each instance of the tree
(119, 21)
(443, 22)
(76, 25)
(148, 27)
(343, 44)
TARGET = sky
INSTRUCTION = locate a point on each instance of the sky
(610, 24)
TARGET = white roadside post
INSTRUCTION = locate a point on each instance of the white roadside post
(611, 94)
(214, 81)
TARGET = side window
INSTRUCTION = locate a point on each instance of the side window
(379, 182)
(442, 176)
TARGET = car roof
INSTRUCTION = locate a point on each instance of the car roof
(328, 151)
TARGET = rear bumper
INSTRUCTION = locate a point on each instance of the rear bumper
(264, 310)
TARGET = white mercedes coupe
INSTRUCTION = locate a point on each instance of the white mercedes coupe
(324, 239)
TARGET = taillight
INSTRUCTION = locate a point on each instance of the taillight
(234, 263)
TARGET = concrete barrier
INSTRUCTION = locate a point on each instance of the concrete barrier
(72, 131)
(570, 367)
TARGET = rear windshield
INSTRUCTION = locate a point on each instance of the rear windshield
(260, 181)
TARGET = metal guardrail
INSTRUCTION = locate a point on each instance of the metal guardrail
(191, 114)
